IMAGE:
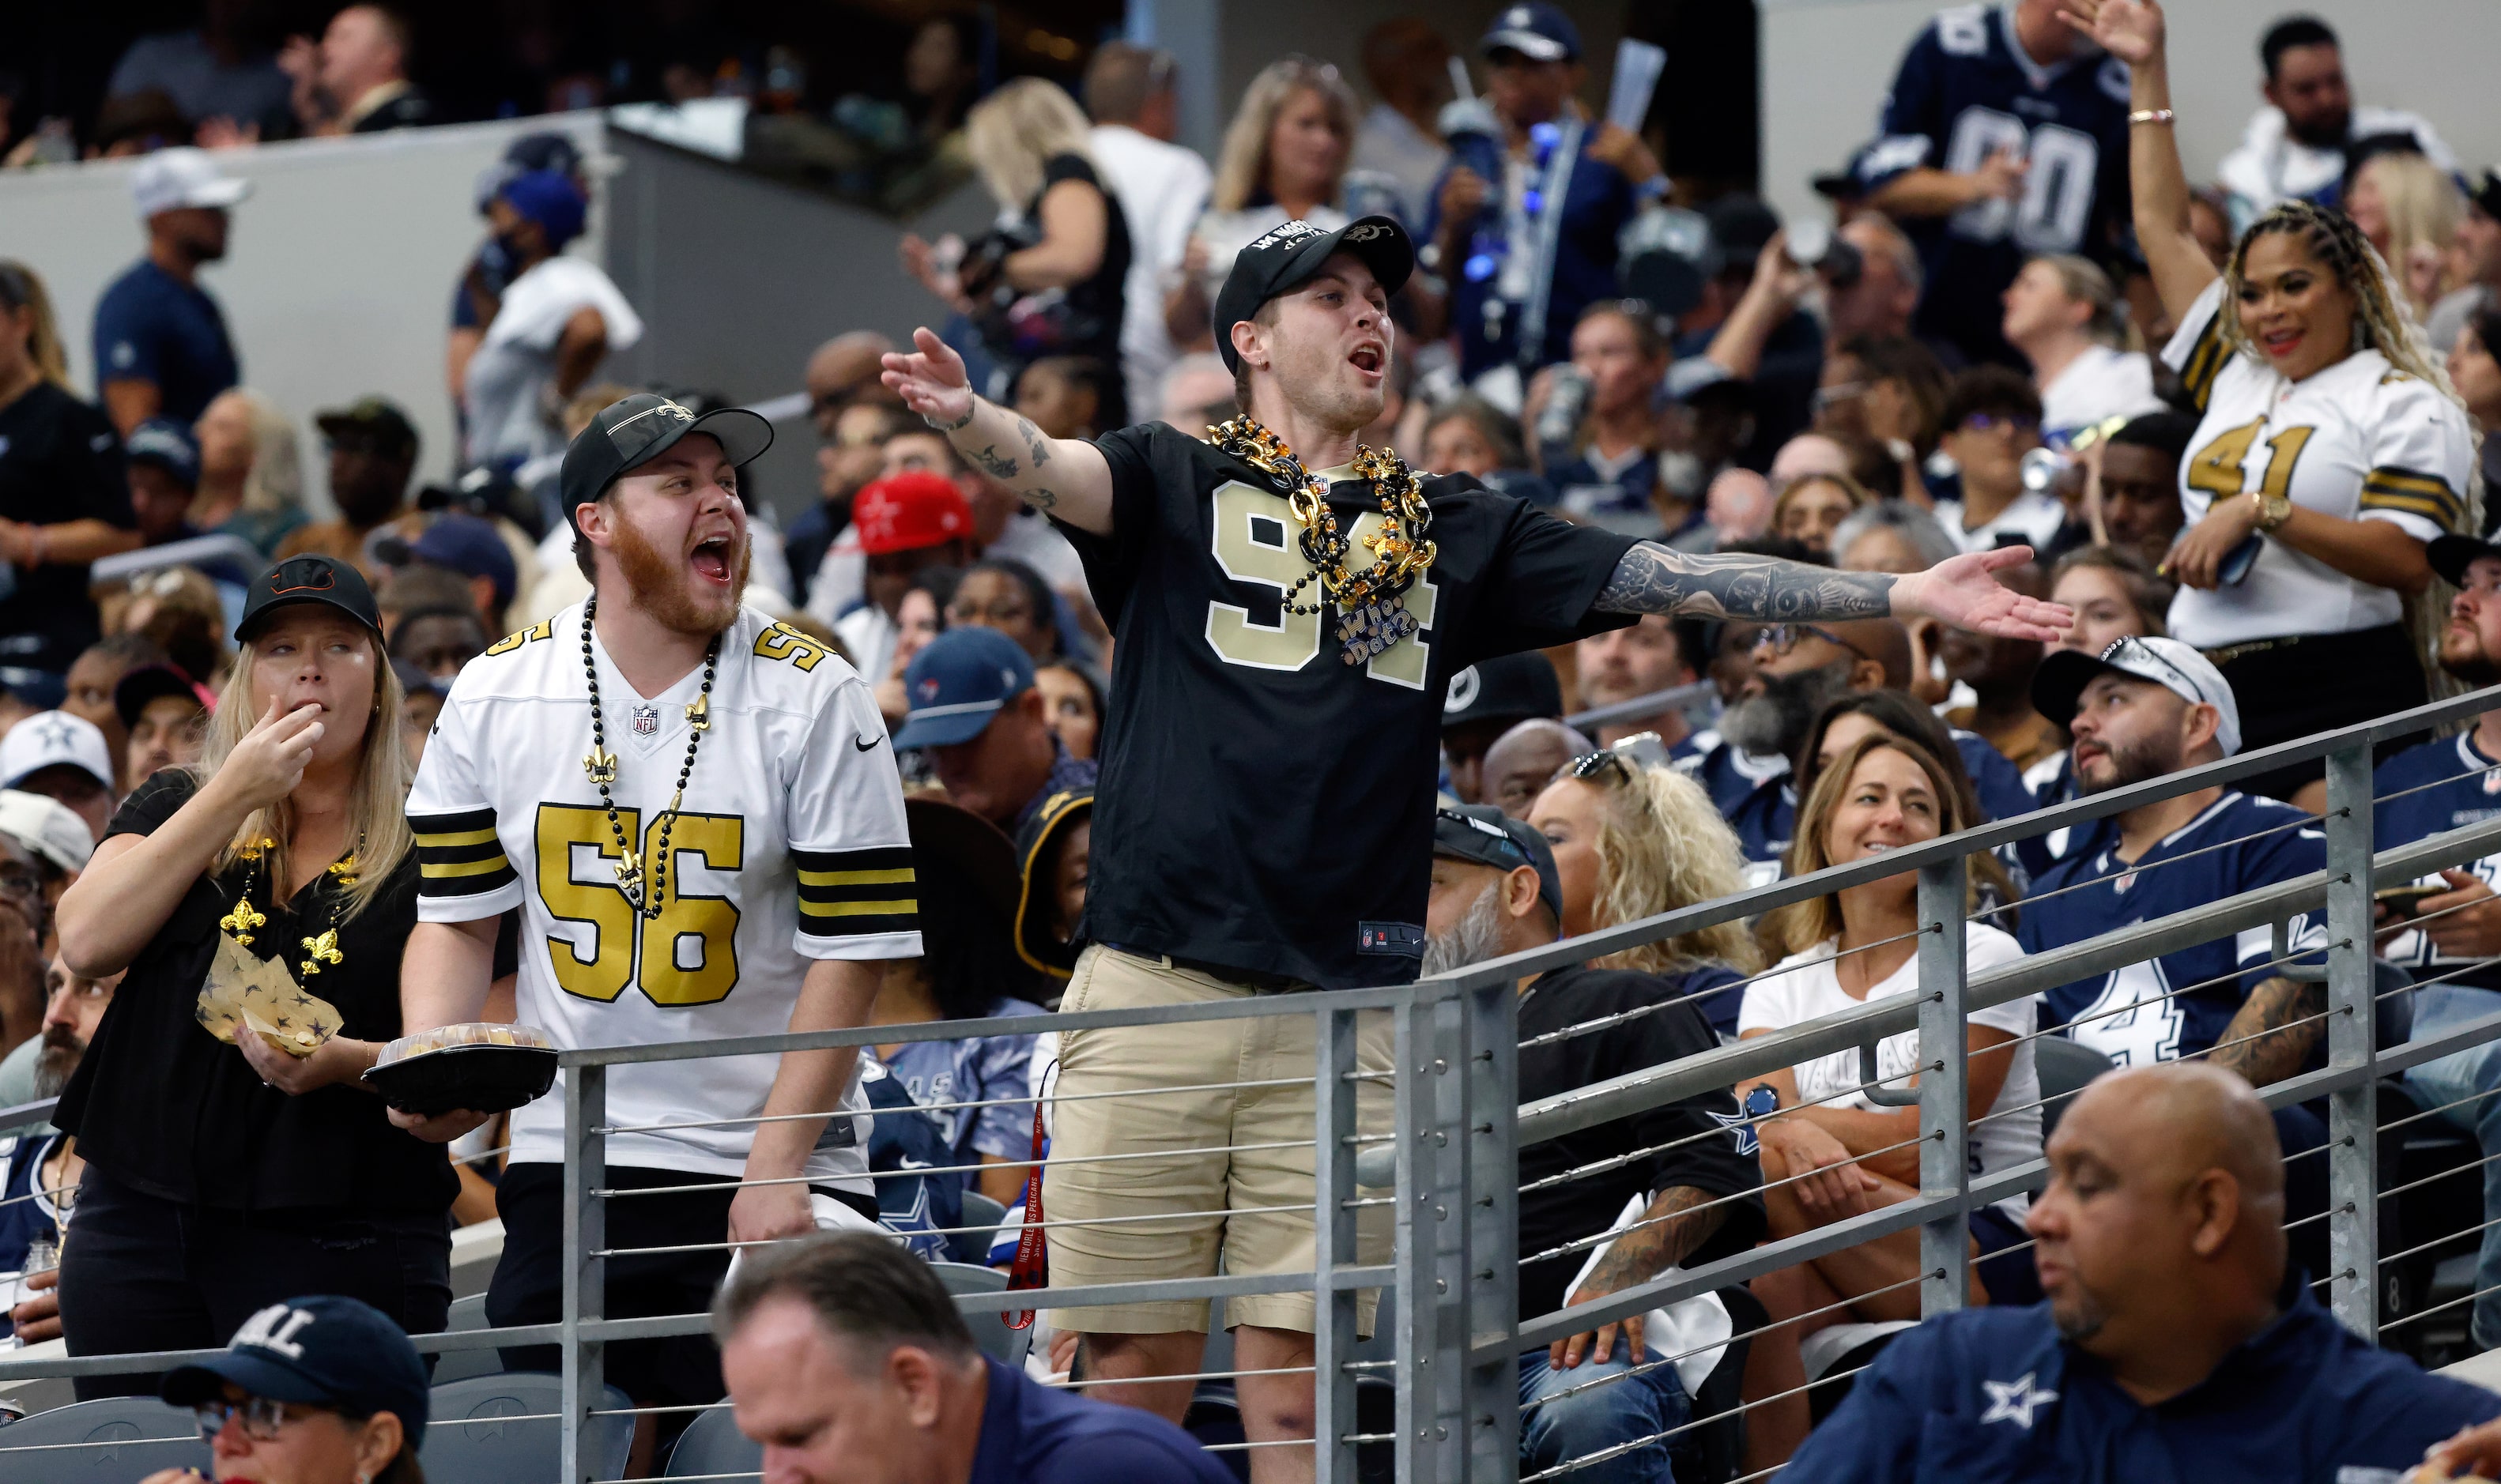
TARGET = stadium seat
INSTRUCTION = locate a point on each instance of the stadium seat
(2065, 1067)
(471, 1441)
(711, 1446)
(983, 1215)
(991, 1330)
(1837, 1351)
(467, 1316)
(144, 1435)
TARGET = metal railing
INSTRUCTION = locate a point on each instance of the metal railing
(1446, 1161)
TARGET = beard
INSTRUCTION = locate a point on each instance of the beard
(1777, 721)
(2078, 1314)
(2325, 131)
(2134, 763)
(2469, 661)
(58, 1058)
(663, 587)
(1477, 938)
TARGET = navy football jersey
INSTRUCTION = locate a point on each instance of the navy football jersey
(2211, 978)
(2439, 786)
(1966, 91)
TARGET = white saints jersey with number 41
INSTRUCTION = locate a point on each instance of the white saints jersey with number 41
(790, 847)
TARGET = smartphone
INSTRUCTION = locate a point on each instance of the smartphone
(2238, 561)
(2407, 900)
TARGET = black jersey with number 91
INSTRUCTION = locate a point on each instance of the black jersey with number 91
(1263, 804)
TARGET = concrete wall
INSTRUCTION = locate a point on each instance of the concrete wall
(1826, 64)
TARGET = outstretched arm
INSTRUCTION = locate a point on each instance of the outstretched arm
(1064, 476)
(1653, 579)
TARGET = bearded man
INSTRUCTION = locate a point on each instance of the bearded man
(728, 859)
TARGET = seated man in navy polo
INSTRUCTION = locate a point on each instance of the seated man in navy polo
(976, 711)
(2175, 1343)
(2452, 936)
(847, 1360)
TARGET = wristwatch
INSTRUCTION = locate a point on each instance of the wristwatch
(1761, 1102)
(2274, 510)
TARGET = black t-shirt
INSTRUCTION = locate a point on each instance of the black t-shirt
(161, 1104)
(59, 461)
(1096, 302)
(1722, 1161)
(1263, 804)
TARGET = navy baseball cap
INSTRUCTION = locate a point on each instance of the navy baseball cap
(1286, 256)
(632, 431)
(549, 198)
(469, 547)
(323, 1351)
(1486, 836)
(957, 682)
(1534, 30)
(167, 444)
(309, 579)
(1510, 687)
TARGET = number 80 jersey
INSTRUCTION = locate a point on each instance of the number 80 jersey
(790, 845)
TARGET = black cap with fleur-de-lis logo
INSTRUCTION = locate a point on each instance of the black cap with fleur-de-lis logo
(1289, 254)
(632, 432)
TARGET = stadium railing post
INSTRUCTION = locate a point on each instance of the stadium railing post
(1454, 1235)
(2352, 1044)
(1492, 1072)
(1334, 1246)
(1420, 1207)
(1945, 1173)
(586, 1286)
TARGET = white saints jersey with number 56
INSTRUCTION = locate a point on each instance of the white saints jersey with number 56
(790, 847)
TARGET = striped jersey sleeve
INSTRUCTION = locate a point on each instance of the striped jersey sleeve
(463, 872)
(850, 846)
(853, 893)
(458, 854)
(2421, 455)
(2198, 349)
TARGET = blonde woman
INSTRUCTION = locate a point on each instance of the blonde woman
(1051, 282)
(2408, 210)
(63, 499)
(251, 471)
(1284, 160)
(1810, 509)
(2329, 434)
(1632, 842)
(223, 1176)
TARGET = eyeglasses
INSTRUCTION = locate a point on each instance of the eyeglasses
(1827, 398)
(998, 615)
(1983, 422)
(261, 1417)
(1782, 637)
(19, 881)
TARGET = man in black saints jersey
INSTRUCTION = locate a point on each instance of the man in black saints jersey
(1289, 610)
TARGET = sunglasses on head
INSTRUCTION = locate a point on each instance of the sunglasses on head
(1615, 763)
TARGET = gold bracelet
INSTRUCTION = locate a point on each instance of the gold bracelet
(2160, 116)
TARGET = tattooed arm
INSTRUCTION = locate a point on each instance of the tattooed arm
(1652, 579)
(1067, 476)
(2275, 1030)
(1681, 1219)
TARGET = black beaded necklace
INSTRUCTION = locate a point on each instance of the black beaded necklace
(601, 765)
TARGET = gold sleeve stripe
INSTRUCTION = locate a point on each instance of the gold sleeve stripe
(2391, 477)
(897, 877)
(901, 908)
(2387, 488)
(462, 838)
(446, 872)
(2206, 360)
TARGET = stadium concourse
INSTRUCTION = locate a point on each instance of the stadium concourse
(1275, 877)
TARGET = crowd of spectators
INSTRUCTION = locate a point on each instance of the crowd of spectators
(2214, 412)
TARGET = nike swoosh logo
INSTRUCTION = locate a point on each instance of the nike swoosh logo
(866, 744)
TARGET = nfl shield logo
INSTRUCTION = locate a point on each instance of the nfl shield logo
(647, 720)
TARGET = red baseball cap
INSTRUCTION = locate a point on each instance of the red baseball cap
(907, 511)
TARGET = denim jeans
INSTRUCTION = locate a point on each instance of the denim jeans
(1601, 1417)
(2459, 1075)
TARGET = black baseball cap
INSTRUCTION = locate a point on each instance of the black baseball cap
(326, 1351)
(1486, 836)
(2452, 555)
(375, 422)
(309, 579)
(630, 433)
(1512, 688)
(2487, 195)
(1286, 256)
(136, 688)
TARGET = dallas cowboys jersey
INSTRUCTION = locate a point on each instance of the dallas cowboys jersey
(2177, 1005)
(790, 846)
(2358, 440)
(1966, 91)
(2430, 790)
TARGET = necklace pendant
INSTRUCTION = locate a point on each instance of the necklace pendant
(699, 714)
(600, 763)
(322, 949)
(240, 921)
(629, 882)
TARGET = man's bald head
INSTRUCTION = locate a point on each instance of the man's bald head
(1521, 759)
(1884, 642)
(2161, 1232)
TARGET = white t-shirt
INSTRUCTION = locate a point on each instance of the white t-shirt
(2360, 441)
(1161, 189)
(1805, 985)
(1227, 233)
(2100, 383)
(515, 360)
(2269, 165)
(791, 846)
(2032, 517)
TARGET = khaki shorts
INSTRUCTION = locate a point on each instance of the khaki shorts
(1170, 1128)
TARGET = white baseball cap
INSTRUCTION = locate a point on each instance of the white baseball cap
(49, 737)
(2169, 663)
(170, 178)
(47, 827)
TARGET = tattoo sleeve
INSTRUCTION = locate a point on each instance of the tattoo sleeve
(2275, 1030)
(1667, 1234)
(1653, 579)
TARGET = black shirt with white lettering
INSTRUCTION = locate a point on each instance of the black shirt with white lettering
(1264, 805)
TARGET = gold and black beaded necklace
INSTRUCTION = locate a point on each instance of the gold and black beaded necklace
(1371, 604)
(321, 947)
(601, 766)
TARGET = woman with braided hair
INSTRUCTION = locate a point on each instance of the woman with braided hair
(2332, 450)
